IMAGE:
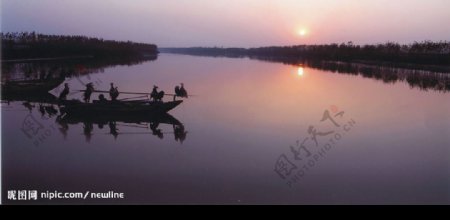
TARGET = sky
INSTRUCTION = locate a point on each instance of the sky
(234, 23)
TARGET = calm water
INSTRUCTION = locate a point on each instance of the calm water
(388, 143)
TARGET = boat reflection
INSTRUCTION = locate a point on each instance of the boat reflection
(150, 124)
(48, 107)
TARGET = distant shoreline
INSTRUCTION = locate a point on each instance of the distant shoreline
(427, 52)
(432, 56)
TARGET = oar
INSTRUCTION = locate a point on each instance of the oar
(134, 98)
(131, 93)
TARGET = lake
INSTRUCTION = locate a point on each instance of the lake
(253, 132)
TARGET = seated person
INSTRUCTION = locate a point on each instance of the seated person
(102, 99)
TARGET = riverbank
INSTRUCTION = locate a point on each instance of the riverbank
(31, 46)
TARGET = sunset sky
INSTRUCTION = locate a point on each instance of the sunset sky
(234, 23)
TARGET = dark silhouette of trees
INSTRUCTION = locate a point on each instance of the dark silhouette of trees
(27, 45)
(427, 52)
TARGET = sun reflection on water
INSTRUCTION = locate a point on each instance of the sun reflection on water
(300, 71)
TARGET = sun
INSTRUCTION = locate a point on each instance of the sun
(302, 32)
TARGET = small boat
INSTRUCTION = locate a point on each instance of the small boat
(76, 107)
(46, 98)
(30, 86)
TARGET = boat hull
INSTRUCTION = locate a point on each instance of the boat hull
(118, 108)
(30, 87)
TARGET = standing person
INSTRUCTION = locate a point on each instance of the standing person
(180, 92)
(155, 95)
(88, 92)
(183, 91)
(113, 92)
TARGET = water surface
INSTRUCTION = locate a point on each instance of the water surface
(244, 114)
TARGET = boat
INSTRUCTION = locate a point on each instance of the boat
(76, 107)
(23, 87)
(43, 98)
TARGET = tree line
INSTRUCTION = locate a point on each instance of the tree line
(27, 45)
(426, 52)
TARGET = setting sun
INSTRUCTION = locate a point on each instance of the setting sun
(302, 32)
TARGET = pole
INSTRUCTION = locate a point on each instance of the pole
(130, 93)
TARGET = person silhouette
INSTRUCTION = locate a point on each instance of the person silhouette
(88, 92)
(113, 92)
(155, 95)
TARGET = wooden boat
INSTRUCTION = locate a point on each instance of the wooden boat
(44, 98)
(30, 86)
(75, 107)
